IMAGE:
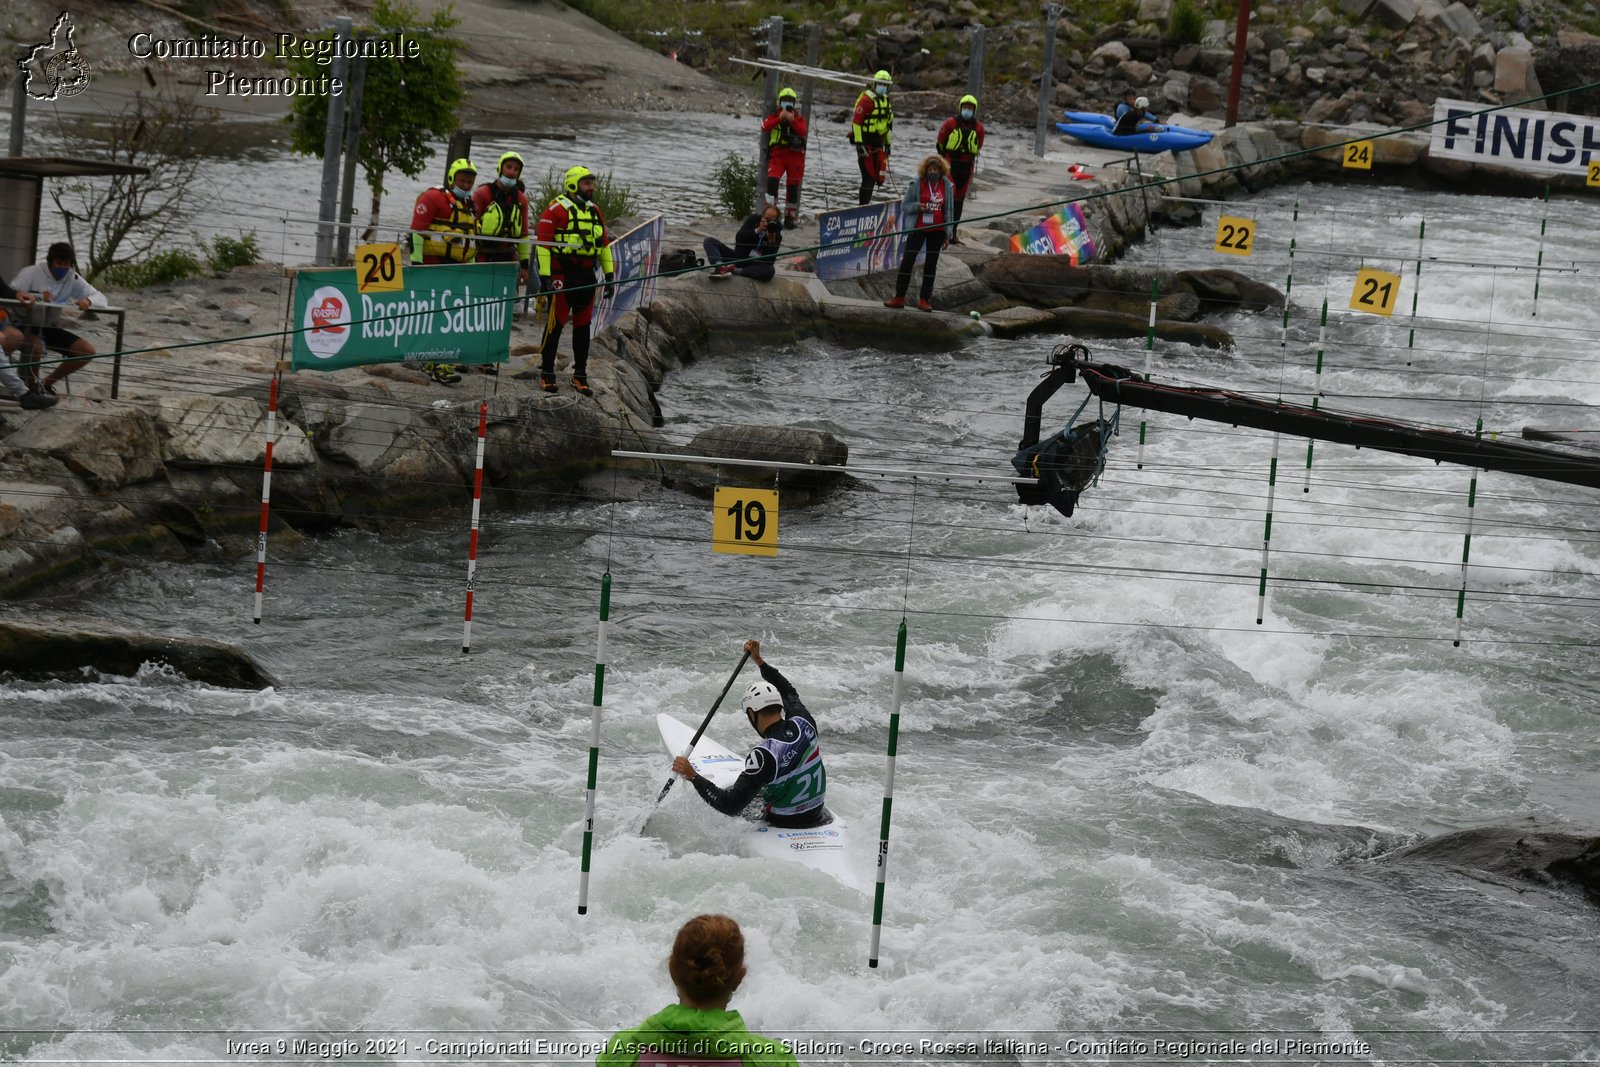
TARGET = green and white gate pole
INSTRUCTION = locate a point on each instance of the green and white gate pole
(1466, 548)
(1266, 536)
(1416, 289)
(888, 792)
(1311, 444)
(1539, 264)
(594, 743)
(1149, 350)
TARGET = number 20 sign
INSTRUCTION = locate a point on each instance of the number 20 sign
(745, 521)
(378, 269)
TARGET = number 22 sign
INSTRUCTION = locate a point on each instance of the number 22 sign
(745, 521)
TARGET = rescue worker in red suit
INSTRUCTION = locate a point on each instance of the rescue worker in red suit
(927, 212)
(786, 153)
(959, 141)
(870, 126)
(571, 241)
(442, 227)
(502, 207)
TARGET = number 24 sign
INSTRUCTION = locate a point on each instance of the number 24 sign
(745, 521)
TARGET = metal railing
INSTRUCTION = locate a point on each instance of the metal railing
(34, 317)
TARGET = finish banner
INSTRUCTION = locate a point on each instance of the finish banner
(450, 313)
(1545, 142)
(634, 256)
(1063, 234)
(859, 240)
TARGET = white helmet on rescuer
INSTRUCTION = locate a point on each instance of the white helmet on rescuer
(761, 696)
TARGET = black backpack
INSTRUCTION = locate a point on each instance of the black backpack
(680, 259)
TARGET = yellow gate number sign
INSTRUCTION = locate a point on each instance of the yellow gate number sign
(745, 521)
(1235, 236)
(1376, 292)
(378, 268)
(1594, 173)
(1358, 155)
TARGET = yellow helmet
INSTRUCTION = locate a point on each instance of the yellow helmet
(883, 76)
(514, 157)
(969, 99)
(787, 94)
(456, 168)
(574, 175)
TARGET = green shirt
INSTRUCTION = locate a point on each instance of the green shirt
(688, 1032)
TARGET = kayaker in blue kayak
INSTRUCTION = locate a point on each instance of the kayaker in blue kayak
(1132, 115)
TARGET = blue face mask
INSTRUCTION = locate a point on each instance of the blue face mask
(60, 273)
(966, 113)
(509, 183)
(881, 90)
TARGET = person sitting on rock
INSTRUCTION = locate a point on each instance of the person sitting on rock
(754, 251)
(57, 281)
(1132, 115)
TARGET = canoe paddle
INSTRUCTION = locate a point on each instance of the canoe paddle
(695, 740)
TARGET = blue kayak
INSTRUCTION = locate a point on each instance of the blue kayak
(1095, 129)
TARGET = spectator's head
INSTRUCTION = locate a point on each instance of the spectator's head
(60, 260)
(932, 167)
(770, 214)
(1128, 95)
(707, 962)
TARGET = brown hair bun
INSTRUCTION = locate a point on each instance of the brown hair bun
(708, 957)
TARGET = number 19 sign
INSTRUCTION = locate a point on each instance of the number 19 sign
(745, 521)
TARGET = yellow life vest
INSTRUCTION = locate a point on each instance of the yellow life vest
(504, 222)
(877, 122)
(452, 245)
(582, 236)
(962, 140)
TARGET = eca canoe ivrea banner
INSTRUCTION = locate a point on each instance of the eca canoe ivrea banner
(858, 240)
(450, 313)
(634, 256)
(1544, 141)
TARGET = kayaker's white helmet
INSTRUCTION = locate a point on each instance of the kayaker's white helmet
(1143, 101)
(761, 696)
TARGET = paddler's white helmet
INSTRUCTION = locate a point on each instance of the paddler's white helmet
(1143, 101)
(761, 696)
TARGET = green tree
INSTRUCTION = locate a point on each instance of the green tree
(406, 103)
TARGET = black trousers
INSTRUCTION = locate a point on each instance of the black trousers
(916, 240)
(762, 270)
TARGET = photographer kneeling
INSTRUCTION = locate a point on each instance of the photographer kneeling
(755, 248)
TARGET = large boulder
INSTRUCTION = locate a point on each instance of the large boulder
(1529, 851)
(108, 444)
(779, 444)
(207, 431)
(1042, 281)
(46, 651)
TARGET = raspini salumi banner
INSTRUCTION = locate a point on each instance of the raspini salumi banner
(458, 313)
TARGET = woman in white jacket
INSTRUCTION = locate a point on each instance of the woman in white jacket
(927, 213)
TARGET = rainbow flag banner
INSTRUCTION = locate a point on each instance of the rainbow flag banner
(1063, 234)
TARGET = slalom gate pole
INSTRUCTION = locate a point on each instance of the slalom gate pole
(1466, 547)
(1539, 263)
(266, 492)
(1416, 290)
(472, 541)
(1288, 284)
(1149, 350)
(888, 792)
(1266, 535)
(594, 743)
(1322, 340)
